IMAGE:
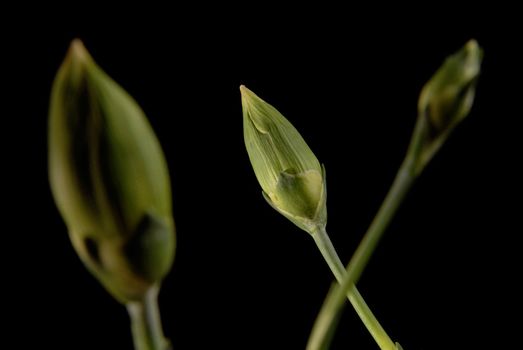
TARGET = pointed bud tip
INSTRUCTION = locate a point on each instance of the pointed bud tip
(473, 49)
(246, 95)
(244, 90)
(78, 52)
(471, 45)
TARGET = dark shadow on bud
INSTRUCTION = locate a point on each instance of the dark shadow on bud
(91, 247)
(148, 250)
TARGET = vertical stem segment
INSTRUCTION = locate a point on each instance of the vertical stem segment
(146, 325)
(364, 312)
(405, 177)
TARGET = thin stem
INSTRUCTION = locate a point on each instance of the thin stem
(364, 312)
(401, 185)
(146, 325)
(328, 315)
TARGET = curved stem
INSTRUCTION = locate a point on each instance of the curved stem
(323, 326)
(146, 325)
(362, 309)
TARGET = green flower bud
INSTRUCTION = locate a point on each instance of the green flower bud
(291, 177)
(109, 179)
(447, 97)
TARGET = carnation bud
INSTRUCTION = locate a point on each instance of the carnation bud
(109, 179)
(292, 179)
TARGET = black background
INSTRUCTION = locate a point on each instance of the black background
(244, 277)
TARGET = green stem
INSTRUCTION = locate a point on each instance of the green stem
(401, 185)
(364, 312)
(405, 177)
(146, 325)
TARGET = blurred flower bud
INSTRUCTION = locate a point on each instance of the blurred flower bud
(447, 97)
(109, 179)
(291, 177)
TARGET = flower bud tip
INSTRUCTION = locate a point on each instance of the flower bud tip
(472, 44)
(77, 51)
(244, 90)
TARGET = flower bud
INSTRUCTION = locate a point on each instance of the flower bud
(447, 97)
(292, 180)
(109, 179)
